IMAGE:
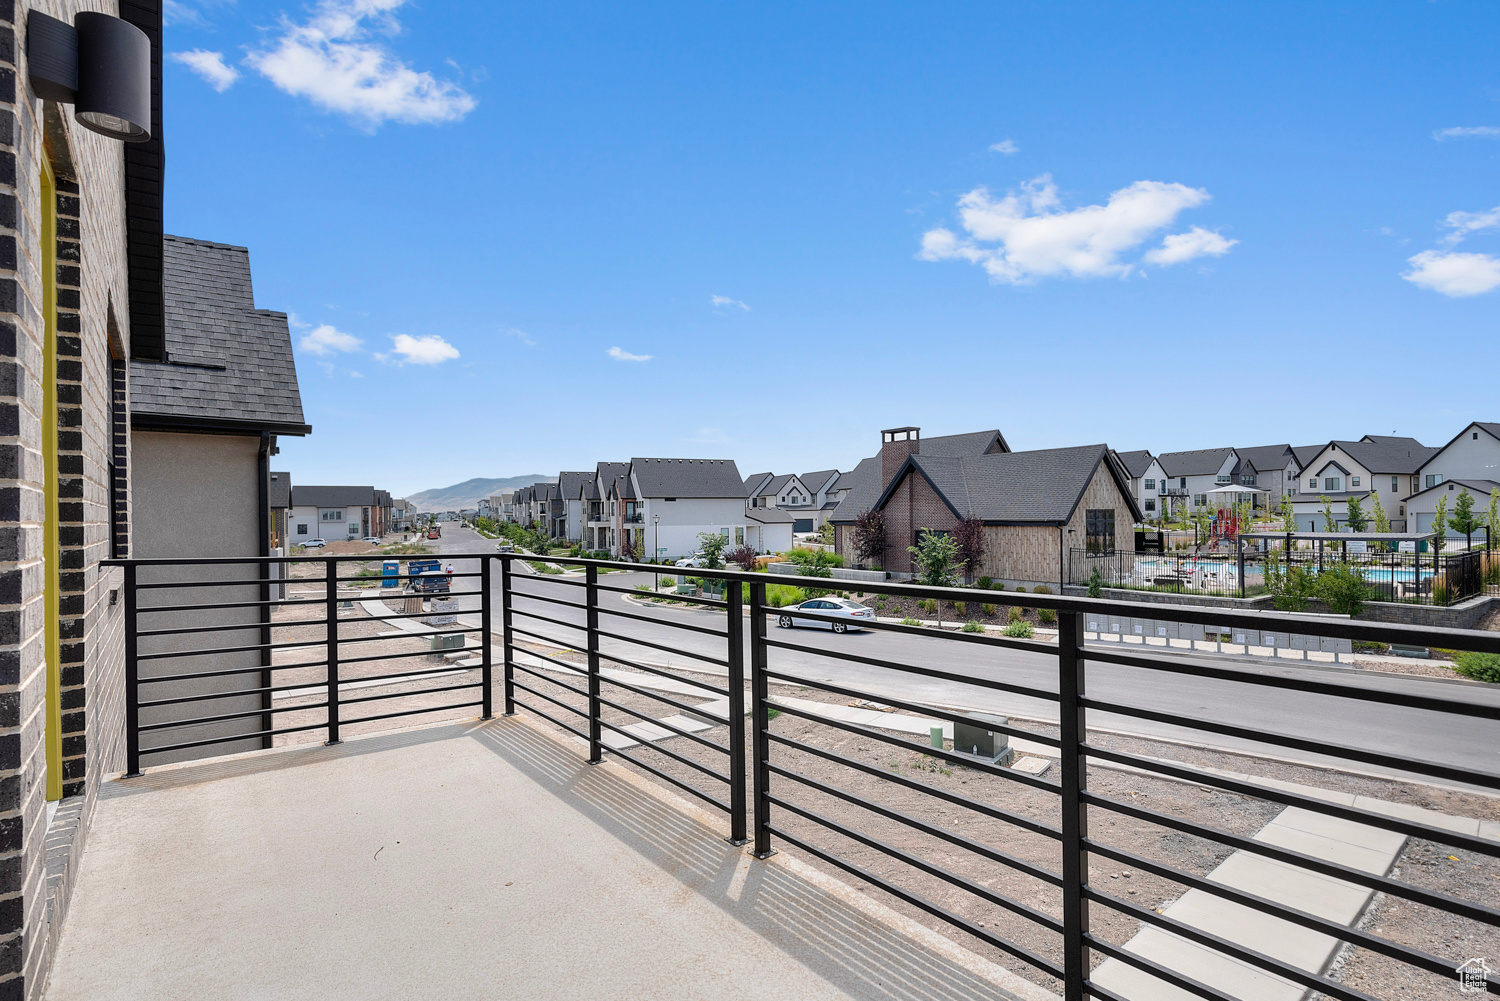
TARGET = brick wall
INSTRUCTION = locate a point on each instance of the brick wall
(913, 506)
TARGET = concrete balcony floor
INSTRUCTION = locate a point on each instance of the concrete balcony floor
(473, 860)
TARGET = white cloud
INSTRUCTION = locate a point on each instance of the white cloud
(326, 339)
(1477, 131)
(1029, 235)
(1196, 242)
(210, 66)
(620, 354)
(332, 61)
(521, 336)
(428, 350)
(723, 300)
(1453, 273)
(1005, 146)
(1464, 223)
(176, 12)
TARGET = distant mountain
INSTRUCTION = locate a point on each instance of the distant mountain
(469, 492)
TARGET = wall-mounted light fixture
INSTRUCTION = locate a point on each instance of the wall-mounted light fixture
(99, 64)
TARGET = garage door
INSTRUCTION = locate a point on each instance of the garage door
(802, 525)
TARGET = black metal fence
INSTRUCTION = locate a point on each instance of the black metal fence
(781, 789)
(1411, 577)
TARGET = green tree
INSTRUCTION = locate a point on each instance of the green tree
(1356, 517)
(1329, 524)
(934, 557)
(1440, 524)
(1462, 519)
(1291, 586)
(1380, 521)
(1492, 516)
(1288, 516)
(1096, 584)
(711, 546)
(1342, 588)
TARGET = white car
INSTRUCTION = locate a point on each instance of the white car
(314, 544)
(372, 540)
(842, 607)
(692, 562)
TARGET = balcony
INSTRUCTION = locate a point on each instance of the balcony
(688, 802)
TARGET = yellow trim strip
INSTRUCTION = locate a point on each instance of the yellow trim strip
(51, 544)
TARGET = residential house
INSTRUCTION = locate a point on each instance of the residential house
(1345, 469)
(402, 515)
(604, 508)
(755, 493)
(332, 513)
(1147, 481)
(280, 487)
(1191, 475)
(1034, 506)
(521, 514)
(1272, 468)
(571, 488)
(670, 502)
(1470, 461)
(768, 529)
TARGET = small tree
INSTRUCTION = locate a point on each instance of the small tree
(869, 538)
(711, 546)
(1440, 525)
(968, 534)
(1342, 588)
(743, 557)
(1356, 517)
(1462, 519)
(1288, 516)
(1096, 584)
(1329, 524)
(1290, 586)
(1492, 516)
(934, 557)
(1381, 520)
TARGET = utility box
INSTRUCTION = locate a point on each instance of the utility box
(977, 739)
(451, 641)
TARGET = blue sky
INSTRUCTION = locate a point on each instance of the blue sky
(519, 238)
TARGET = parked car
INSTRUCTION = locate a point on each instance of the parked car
(431, 582)
(842, 607)
(694, 562)
(372, 540)
(314, 544)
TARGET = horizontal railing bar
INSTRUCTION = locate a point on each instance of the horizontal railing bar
(228, 673)
(248, 582)
(1337, 689)
(143, 633)
(958, 759)
(1427, 832)
(926, 672)
(446, 669)
(550, 718)
(217, 605)
(403, 635)
(1432, 769)
(696, 738)
(543, 597)
(194, 561)
(686, 787)
(663, 647)
(404, 695)
(658, 622)
(413, 615)
(222, 717)
(617, 659)
(256, 735)
(666, 700)
(291, 645)
(1353, 934)
(656, 746)
(373, 579)
(926, 632)
(1178, 980)
(978, 848)
(922, 903)
(922, 865)
(562, 664)
(544, 578)
(395, 656)
(544, 638)
(688, 598)
(581, 693)
(206, 696)
(543, 618)
(952, 715)
(995, 812)
(1384, 884)
(410, 712)
(541, 695)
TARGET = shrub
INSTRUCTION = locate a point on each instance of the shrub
(1041, 589)
(1019, 630)
(1343, 589)
(934, 557)
(928, 604)
(973, 627)
(984, 583)
(1479, 666)
(743, 557)
(1096, 584)
(669, 582)
(1020, 590)
(1046, 615)
(961, 607)
(988, 609)
(999, 585)
(1015, 614)
(909, 621)
(644, 588)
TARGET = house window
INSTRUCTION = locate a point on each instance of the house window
(1150, 505)
(1200, 500)
(1333, 483)
(1395, 487)
(1247, 479)
(1182, 482)
(1312, 483)
(1150, 484)
(1354, 481)
(331, 515)
(301, 528)
(1099, 530)
(739, 535)
(1222, 478)
(1433, 479)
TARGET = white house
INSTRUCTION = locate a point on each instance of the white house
(1421, 507)
(1473, 454)
(1344, 469)
(1274, 469)
(1191, 475)
(1147, 480)
(572, 487)
(332, 514)
(671, 502)
(768, 529)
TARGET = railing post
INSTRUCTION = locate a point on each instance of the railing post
(510, 660)
(486, 660)
(132, 681)
(760, 721)
(331, 628)
(735, 631)
(1075, 828)
(591, 598)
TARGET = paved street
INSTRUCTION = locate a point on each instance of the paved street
(1388, 728)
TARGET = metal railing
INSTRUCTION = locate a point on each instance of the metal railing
(576, 649)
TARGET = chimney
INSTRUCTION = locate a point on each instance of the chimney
(895, 445)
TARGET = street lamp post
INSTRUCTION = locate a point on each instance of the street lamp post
(656, 545)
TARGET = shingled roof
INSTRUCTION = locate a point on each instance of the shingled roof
(687, 477)
(1267, 458)
(1044, 485)
(572, 484)
(229, 366)
(1200, 462)
(280, 493)
(1136, 463)
(325, 496)
(1387, 454)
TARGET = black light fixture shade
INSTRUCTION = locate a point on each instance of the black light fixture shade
(114, 77)
(52, 57)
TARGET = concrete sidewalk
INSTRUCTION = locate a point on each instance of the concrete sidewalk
(476, 860)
